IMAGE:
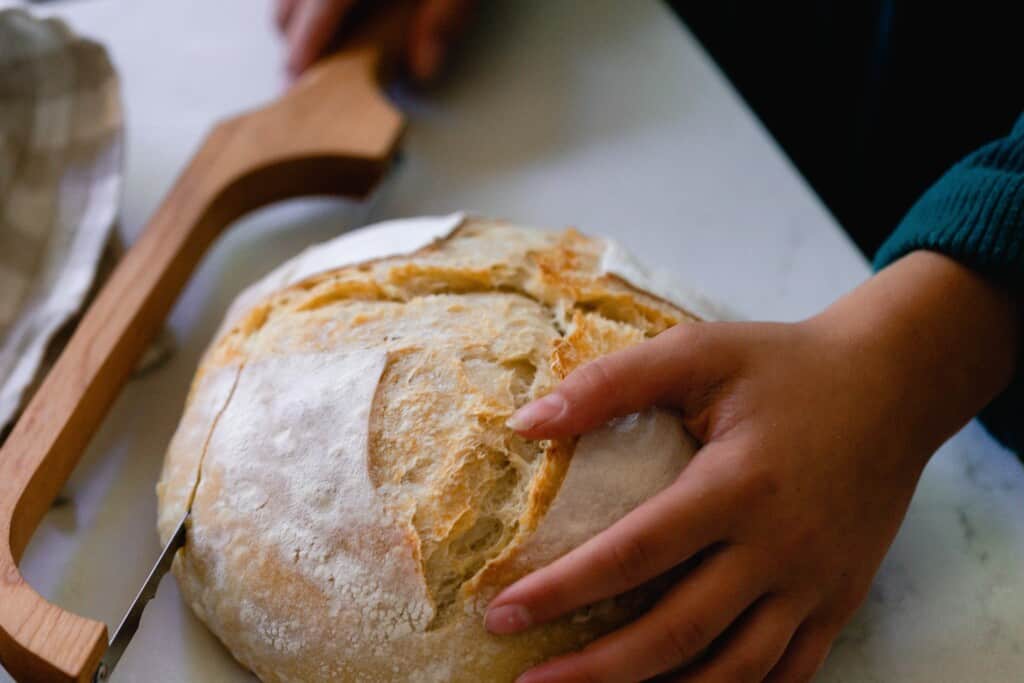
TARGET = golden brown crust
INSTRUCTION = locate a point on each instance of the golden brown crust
(434, 504)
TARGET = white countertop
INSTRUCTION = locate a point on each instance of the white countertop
(611, 119)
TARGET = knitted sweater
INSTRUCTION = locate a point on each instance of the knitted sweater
(975, 214)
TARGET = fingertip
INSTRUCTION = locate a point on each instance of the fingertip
(507, 619)
(535, 416)
(310, 29)
(303, 50)
(557, 669)
(295, 64)
(296, 60)
(283, 14)
(531, 676)
(436, 29)
(427, 60)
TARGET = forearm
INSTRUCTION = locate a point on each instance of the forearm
(946, 339)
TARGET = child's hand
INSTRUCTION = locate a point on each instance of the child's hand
(814, 437)
(309, 25)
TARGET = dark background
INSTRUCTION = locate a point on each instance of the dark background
(871, 99)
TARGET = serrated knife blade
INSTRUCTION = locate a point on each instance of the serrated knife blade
(133, 617)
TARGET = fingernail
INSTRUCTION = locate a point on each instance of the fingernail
(537, 413)
(507, 619)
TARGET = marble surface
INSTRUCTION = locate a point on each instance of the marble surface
(612, 119)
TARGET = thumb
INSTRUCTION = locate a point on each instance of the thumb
(680, 368)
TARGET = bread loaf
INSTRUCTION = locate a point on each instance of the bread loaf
(356, 498)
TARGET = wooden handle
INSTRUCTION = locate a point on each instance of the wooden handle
(333, 133)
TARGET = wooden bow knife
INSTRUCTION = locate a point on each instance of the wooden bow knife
(332, 133)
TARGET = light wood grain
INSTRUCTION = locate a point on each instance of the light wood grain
(333, 133)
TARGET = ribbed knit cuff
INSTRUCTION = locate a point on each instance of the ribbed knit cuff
(975, 214)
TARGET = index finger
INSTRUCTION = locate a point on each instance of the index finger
(680, 368)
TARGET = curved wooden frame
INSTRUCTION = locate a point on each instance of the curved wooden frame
(332, 133)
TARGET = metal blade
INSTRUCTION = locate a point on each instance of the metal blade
(130, 624)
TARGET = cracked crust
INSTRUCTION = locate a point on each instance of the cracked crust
(357, 498)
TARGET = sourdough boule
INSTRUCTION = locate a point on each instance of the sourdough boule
(356, 496)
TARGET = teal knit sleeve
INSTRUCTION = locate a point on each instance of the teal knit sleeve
(975, 214)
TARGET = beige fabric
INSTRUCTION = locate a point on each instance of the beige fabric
(60, 184)
(355, 496)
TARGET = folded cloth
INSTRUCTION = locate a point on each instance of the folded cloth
(60, 185)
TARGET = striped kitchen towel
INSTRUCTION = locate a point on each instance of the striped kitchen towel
(60, 186)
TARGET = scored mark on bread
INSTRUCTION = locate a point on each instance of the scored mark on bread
(209, 435)
(438, 448)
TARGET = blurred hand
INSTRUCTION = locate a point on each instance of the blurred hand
(815, 435)
(309, 25)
